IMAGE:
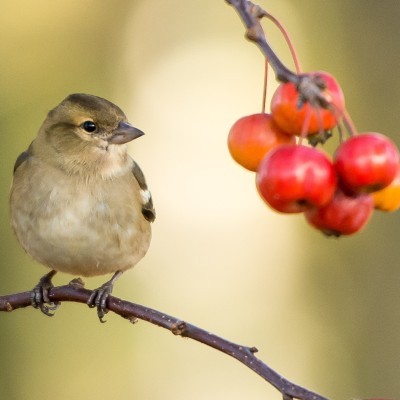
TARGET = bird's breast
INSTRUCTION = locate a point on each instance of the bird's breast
(79, 227)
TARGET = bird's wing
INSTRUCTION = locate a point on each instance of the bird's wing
(148, 210)
(22, 158)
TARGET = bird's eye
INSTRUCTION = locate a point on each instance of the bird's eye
(89, 126)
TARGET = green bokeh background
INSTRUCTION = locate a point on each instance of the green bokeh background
(323, 312)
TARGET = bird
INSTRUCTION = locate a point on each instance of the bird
(79, 204)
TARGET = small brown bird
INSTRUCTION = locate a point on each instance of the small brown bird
(79, 203)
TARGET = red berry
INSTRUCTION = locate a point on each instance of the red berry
(252, 137)
(290, 115)
(343, 215)
(366, 163)
(292, 178)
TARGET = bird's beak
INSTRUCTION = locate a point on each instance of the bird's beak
(124, 134)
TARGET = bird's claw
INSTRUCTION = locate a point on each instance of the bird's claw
(40, 295)
(99, 296)
(99, 299)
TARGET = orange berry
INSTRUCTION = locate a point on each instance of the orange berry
(388, 199)
(290, 115)
(252, 137)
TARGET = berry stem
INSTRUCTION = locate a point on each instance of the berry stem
(288, 40)
(250, 15)
(264, 98)
(306, 124)
(348, 122)
(340, 131)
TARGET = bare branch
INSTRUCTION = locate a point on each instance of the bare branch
(132, 312)
(251, 15)
(309, 86)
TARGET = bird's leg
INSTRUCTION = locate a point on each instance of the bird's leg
(100, 295)
(40, 295)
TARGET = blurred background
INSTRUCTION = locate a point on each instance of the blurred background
(323, 312)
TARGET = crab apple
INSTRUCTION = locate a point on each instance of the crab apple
(388, 199)
(292, 178)
(290, 112)
(343, 215)
(253, 136)
(366, 163)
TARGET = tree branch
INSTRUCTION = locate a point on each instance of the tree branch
(309, 87)
(251, 15)
(132, 312)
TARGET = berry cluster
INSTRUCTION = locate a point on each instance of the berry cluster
(337, 195)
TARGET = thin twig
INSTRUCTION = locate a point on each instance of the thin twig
(130, 311)
(308, 86)
(250, 15)
(287, 38)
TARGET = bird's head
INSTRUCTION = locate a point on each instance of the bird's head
(85, 129)
(91, 119)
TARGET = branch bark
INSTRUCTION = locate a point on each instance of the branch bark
(75, 292)
(251, 15)
(309, 87)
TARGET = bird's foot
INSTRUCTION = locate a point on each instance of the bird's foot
(40, 295)
(99, 299)
(100, 295)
